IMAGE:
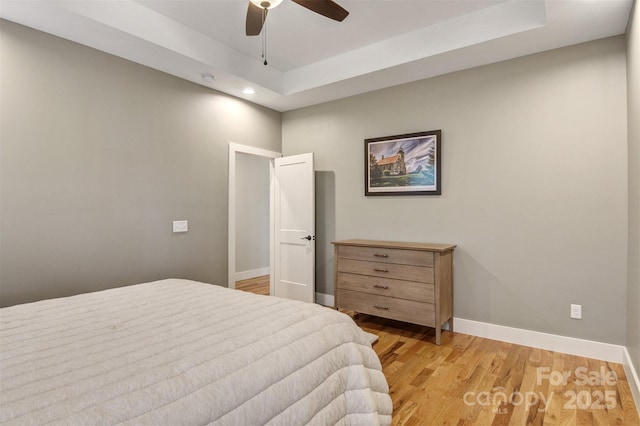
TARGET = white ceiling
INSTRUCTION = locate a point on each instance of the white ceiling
(313, 59)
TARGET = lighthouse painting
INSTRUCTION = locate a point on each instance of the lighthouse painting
(403, 164)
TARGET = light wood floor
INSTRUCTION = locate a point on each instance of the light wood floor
(474, 381)
(258, 285)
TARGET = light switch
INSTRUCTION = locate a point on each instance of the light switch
(180, 225)
(576, 311)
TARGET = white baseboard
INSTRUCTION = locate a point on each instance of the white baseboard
(325, 300)
(552, 342)
(632, 378)
(245, 275)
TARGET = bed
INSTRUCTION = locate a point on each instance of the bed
(177, 352)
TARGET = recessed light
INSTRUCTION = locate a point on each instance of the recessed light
(208, 78)
(249, 91)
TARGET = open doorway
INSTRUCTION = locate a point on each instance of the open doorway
(252, 223)
(250, 171)
(291, 221)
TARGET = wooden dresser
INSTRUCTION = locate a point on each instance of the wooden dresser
(411, 282)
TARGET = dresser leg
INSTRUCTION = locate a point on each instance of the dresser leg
(451, 324)
(438, 334)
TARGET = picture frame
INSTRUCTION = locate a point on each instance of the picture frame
(403, 164)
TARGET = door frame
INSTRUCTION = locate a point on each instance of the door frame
(234, 149)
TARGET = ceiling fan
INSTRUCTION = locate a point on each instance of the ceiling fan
(257, 12)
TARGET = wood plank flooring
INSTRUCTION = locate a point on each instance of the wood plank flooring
(474, 381)
(258, 285)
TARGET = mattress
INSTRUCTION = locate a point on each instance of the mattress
(177, 352)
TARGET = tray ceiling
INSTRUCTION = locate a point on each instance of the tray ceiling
(313, 59)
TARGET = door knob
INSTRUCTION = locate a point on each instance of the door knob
(308, 238)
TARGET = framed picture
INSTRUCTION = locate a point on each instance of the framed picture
(403, 164)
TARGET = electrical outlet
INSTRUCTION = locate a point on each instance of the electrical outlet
(180, 225)
(576, 311)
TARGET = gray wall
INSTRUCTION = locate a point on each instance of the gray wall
(99, 155)
(252, 212)
(534, 184)
(633, 101)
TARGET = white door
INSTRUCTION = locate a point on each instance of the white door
(294, 228)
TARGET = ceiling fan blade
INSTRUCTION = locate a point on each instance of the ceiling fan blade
(326, 8)
(255, 19)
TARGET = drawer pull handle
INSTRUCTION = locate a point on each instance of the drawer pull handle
(384, 287)
(380, 255)
(385, 308)
(380, 270)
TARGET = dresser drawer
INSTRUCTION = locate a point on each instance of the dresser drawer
(387, 270)
(387, 255)
(411, 290)
(387, 307)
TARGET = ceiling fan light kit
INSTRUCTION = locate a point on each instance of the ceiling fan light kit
(264, 4)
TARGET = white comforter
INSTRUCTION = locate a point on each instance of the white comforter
(179, 352)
